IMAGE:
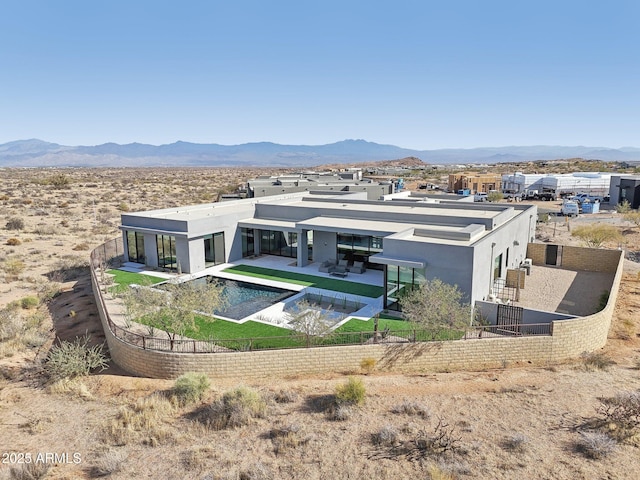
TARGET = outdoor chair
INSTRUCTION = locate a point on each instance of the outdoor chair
(358, 267)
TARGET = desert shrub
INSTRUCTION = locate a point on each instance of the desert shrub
(257, 471)
(48, 291)
(352, 392)
(340, 412)
(386, 436)
(74, 359)
(367, 365)
(285, 396)
(81, 247)
(412, 408)
(143, 420)
(515, 443)
(15, 223)
(596, 445)
(123, 207)
(108, 463)
(190, 388)
(594, 235)
(13, 266)
(495, 197)
(287, 437)
(59, 181)
(13, 242)
(71, 387)
(29, 302)
(623, 207)
(236, 408)
(29, 471)
(439, 441)
(596, 361)
(623, 409)
(10, 323)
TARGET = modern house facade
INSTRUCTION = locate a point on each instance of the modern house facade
(408, 239)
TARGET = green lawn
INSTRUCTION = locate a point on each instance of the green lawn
(124, 279)
(335, 285)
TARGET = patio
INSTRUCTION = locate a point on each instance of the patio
(554, 289)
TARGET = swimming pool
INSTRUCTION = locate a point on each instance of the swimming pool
(242, 299)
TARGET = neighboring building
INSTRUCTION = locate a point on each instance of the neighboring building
(480, 182)
(625, 187)
(596, 183)
(409, 239)
(349, 181)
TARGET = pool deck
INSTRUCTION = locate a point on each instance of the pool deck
(275, 314)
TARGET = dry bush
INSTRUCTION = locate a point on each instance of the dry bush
(29, 471)
(622, 410)
(386, 436)
(13, 242)
(412, 408)
(81, 247)
(596, 361)
(71, 387)
(596, 445)
(625, 329)
(144, 420)
(10, 323)
(110, 462)
(515, 443)
(190, 388)
(340, 413)
(368, 365)
(287, 437)
(15, 223)
(13, 267)
(285, 396)
(74, 359)
(234, 409)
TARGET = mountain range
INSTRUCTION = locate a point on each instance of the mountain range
(38, 153)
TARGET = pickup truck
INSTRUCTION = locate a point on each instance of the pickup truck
(570, 208)
(585, 197)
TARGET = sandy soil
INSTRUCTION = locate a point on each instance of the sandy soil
(545, 408)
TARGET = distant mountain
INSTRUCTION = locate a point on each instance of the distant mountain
(37, 153)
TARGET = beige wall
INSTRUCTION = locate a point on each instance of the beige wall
(568, 340)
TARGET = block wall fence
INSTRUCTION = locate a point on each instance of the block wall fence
(568, 339)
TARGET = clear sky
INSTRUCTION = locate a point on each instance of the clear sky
(418, 74)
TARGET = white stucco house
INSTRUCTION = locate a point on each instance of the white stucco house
(407, 238)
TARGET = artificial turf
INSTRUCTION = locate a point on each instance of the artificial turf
(342, 286)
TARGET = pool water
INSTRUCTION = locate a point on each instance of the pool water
(242, 299)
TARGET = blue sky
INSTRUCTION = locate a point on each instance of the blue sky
(417, 74)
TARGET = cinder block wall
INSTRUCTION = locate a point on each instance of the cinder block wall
(568, 340)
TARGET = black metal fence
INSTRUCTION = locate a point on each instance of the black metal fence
(111, 255)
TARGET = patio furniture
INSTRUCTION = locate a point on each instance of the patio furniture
(339, 273)
(327, 266)
(358, 267)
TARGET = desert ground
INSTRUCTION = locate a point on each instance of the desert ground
(515, 422)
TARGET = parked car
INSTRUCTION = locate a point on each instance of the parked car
(480, 197)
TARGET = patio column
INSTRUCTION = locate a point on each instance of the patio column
(302, 254)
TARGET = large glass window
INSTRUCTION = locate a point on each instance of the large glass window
(398, 281)
(274, 242)
(167, 252)
(214, 249)
(135, 246)
(248, 246)
(359, 248)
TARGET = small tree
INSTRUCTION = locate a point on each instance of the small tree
(436, 305)
(495, 197)
(309, 320)
(174, 309)
(597, 234)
